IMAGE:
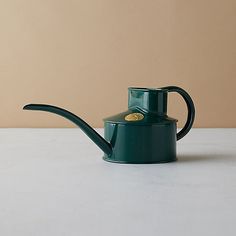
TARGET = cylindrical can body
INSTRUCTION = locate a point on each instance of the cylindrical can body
(141, 144)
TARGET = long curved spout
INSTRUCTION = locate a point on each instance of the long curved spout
(87, 129)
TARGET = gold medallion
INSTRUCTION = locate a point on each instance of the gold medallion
(134, 117)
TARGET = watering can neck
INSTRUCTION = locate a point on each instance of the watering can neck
(148, 100)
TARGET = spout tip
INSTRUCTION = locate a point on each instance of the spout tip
(26, 107)
(29, 107)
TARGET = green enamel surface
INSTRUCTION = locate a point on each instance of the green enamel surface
(141, 144)
(142, 134)
(149, 118)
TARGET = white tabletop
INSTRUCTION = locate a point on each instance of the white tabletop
(53, 182)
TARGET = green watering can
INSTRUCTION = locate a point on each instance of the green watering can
(142, 134)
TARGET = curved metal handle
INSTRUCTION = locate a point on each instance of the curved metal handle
(190, 106)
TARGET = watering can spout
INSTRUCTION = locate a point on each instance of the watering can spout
(87, 129)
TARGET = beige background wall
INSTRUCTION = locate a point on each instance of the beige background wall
(82, 55)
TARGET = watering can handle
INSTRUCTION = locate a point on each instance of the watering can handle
(190, 106)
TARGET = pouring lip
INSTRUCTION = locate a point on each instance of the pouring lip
(146, 89)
